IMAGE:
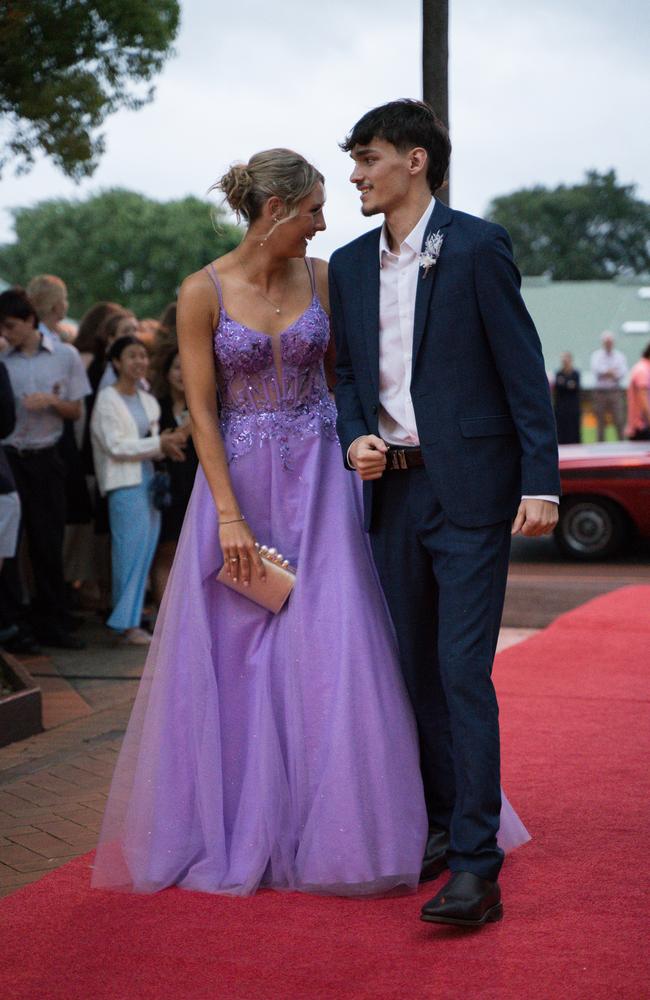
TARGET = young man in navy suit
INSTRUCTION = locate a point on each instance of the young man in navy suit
(445, 414)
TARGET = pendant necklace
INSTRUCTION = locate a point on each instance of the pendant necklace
(259, 291)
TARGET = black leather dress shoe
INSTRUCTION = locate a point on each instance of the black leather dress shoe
(22, 643)
(10, 632)
(466, 900)
(72, 622)
(435, 855)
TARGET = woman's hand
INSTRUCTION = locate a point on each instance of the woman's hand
(239, 553)
(172, 445)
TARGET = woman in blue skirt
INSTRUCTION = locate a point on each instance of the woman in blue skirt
(126, 441)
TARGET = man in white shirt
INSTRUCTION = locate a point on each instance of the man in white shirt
(48, 382)
(609, 368)
(445, 414)
(49, 296)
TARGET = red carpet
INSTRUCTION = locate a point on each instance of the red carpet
(576, 739)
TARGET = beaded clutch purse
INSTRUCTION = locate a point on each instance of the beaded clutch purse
(271, 593)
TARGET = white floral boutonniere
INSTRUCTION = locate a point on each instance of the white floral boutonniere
(429, 256)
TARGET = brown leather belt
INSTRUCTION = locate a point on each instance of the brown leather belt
(403, 458)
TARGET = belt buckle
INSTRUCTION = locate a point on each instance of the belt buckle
(398, 458)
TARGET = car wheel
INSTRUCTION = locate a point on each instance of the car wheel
(590, 528)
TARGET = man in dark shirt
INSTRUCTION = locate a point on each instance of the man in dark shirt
(9, 499)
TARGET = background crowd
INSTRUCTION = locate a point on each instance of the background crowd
(97, 462)
(627, 410)
(96, 465)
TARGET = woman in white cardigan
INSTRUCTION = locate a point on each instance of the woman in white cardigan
(126, 440)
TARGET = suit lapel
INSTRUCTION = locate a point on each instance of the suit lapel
(370, 297)
(440, 217)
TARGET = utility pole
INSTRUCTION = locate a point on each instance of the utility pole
(435, 64)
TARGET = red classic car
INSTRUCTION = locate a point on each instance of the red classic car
(606, 497)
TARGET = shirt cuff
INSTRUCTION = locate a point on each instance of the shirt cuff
(543, 497)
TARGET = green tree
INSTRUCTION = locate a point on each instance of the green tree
(67, 64)
(117, 245)
(587, 231)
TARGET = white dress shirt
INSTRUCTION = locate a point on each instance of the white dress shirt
(54, 368)
(398, 283)
(609, 368)
(51, 333)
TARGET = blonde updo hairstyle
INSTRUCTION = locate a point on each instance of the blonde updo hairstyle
(279, 173)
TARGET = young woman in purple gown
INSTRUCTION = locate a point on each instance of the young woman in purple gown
(268, 750)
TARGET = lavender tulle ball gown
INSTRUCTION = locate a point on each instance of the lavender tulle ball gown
(267, 750)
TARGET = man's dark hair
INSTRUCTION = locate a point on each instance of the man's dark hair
(15, 304)
(646, 353)
(406, 123)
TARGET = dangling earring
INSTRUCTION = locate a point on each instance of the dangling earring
(275, 219)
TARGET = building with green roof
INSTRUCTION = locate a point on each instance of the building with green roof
(571, 315)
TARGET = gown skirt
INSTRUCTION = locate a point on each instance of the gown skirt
(273, 750)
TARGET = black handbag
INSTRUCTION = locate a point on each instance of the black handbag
(160, 489)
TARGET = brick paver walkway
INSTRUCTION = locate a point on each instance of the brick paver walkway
(52, 793)
(53, 787)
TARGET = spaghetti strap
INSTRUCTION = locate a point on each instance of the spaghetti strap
(310, 270)
(214, 278)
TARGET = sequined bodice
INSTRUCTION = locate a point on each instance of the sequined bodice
(273, 389)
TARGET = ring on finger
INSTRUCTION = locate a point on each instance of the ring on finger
(234, 559)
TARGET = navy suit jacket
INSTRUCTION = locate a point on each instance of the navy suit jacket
(479, 387)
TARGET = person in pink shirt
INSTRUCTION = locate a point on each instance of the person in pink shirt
(638, 400)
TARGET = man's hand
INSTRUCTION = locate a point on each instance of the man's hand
(67, 409)
(37, 401)
(367, 456)
(535, 517)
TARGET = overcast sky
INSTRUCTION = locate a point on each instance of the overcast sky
(540, 92)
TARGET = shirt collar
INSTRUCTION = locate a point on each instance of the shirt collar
(52, 334)
(47, 343)
(47, 339)
(414, 239)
